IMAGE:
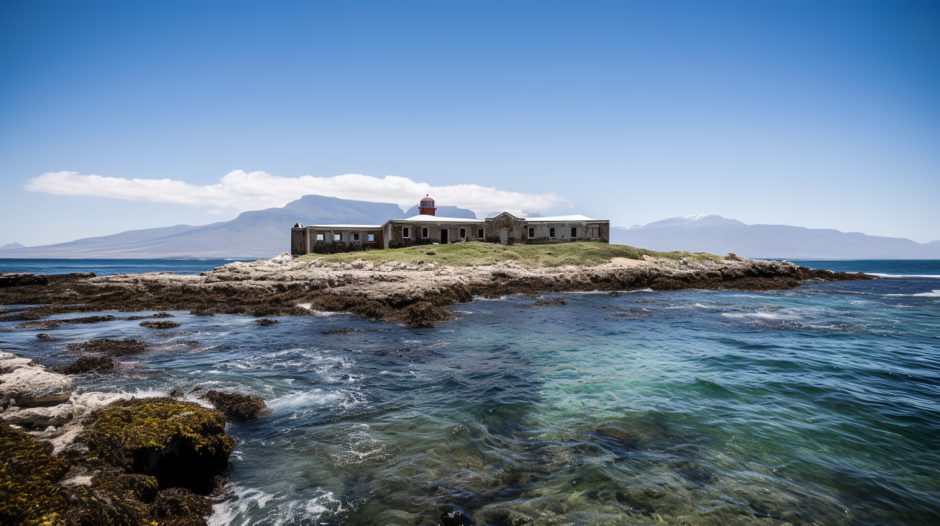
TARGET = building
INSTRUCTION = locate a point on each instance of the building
(428, 228)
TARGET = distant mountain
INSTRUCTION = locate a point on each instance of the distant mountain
(445, 211)
(716, 234)
(256, 234)
(12, 245)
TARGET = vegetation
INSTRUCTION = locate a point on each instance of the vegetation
(467, 254)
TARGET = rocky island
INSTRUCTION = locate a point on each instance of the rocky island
(412, 286)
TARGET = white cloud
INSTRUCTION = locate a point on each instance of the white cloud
(239, 190)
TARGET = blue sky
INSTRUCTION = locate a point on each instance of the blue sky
(820, 114)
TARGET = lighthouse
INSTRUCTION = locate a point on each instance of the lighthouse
(426, 207)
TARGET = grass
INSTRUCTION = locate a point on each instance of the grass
(467, 254)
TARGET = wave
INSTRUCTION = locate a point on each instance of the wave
(935, 293)
(904, 276)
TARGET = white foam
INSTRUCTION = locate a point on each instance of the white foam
(932, 294)
(758, 315)
(903, 276)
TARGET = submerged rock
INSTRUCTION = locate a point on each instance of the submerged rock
(89, 364)
(160, 324)
(236, 405)
(339, 330)
(182, 444)
(451, 515)
(47, 337)
(109, 347)
(265, 322)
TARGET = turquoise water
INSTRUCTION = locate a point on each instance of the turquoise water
(105, 267)
(814, 405)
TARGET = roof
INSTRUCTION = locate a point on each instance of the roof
(437, 219)
(369, 227)
(553, 219)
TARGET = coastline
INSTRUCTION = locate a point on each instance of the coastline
(415, 294)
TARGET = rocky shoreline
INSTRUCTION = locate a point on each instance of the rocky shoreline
(416, 295)
(100, 458)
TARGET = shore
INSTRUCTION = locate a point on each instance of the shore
(415, 294)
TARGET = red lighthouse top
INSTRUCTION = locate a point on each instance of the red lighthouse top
(426, 207)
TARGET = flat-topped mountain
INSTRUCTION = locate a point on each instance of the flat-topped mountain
(716, 234)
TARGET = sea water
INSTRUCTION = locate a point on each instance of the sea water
(819, 404)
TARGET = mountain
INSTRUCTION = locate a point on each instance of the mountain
(716, 234)
(445, 211)
(12, 245)
(255, 234)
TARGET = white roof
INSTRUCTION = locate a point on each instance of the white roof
(576, 217)
(438, 219)
(369, 227)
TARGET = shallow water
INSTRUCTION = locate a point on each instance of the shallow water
(815, 405)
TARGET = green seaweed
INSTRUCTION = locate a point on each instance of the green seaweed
(29, 472)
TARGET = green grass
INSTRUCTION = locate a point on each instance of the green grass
(466, 254)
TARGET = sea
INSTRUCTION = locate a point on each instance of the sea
(816, 405)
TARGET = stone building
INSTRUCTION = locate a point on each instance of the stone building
(428, 228)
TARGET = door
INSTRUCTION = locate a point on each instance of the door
(504, 236)
(444, 236)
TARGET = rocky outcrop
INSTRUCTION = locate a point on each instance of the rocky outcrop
(181, 444)
(415, 294)
(109, 347)
(11, 279)
(89, 364)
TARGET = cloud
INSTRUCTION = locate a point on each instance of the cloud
(239, 190)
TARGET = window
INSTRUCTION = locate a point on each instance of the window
(370, 238)
(320, 236)
(337, 237)
(551, 232)
(424, 232)
(356, 236)
(463, 233)
(480, 233)
(531, 232)
(406, 233)
(574, 232)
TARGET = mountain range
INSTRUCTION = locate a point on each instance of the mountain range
(265, 233)
(719, 235)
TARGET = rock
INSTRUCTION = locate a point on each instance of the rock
(32, 385)
(89, 364)
(549, 302)
(180, 443)
(10, 362)
(20, 279)
(29, 473)
(180, 507)
(160, 324)
(236, 405)
(265, 322)
(140, 487)
(451, 515)
(109, 347)
(339, 330)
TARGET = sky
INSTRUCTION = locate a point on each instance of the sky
(125, 115)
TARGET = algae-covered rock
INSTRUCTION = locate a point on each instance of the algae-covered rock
(132, 485)
(89, 364)
(180, 443)
(236, 405)
(160, 324)
(28, 476)
(180, 507)
(90, 506)
(109, 347)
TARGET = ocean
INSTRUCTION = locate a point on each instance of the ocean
(818, 405)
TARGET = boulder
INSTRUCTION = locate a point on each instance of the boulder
(160, 324)
(32, 385)
(237, 406)
(182, 444)
(109, 347)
